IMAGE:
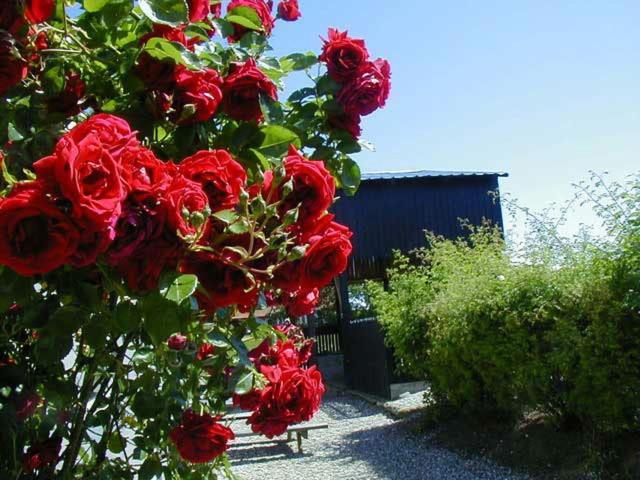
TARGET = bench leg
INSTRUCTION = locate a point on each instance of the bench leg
(299, 435)
(289, 437)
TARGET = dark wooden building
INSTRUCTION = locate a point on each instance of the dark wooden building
(391, 211)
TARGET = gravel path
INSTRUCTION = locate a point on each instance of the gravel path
(361, 443)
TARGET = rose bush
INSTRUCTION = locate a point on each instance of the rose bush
(158, 190)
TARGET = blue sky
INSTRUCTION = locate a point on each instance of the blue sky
(543, 89)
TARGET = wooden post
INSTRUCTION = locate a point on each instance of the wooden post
(344, 316)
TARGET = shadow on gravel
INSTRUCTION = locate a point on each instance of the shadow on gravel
(389, 450)
(254, 453)
(343, 407)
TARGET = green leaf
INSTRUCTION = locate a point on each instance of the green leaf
(275, 135)
(145, 405)
(94, 5)
(150, 469)
(14, 134)
(238, 228)
(226, 216)
(167, 12)
(349, 146)
(271, 109)
(53, 80)
(223, 26)
(162, 317)
(327, 85)
(243, 135)
(6, 175)
(116, 443)
(127, 317)
(164, 50)
(243, 351)
(301, 94)
(246, 17)
(51, 349)
(243, 382)
(181, 288)
(299, 61)
(66, 320)
(350, 176)
(218, 340)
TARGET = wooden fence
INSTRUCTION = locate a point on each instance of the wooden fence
(328, 340)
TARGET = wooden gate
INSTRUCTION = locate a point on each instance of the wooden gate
(368, 363)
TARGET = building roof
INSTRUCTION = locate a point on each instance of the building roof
(403, 174)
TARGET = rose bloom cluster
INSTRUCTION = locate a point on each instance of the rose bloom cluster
(187, 96)
(293, 390)
(290, 394)
(364, 84)
(102, 196)
(18, 43)
(19, 47)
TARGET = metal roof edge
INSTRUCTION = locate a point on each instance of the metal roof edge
(407, 174)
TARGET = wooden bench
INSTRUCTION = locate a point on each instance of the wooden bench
(301, 431)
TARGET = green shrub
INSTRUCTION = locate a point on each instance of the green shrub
(553, 326)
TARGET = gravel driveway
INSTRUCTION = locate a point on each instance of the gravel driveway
(361, 443)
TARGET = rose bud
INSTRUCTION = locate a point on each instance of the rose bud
(177, 342)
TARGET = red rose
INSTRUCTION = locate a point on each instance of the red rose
(283, 353)
(143, 220)
(88, 176)
(292, 396)
(35, 236)
(142, 171)
(38, 11)
(221, 177)
(289, 10)
(41, 41)
(205, 351)
(27, 404)
(10, 18)
(200, 91)
(249, 401)
(343, 55)
(142, 271)
(225, 284)
(287, 277)
(303, 302)
(68, 102)
(263, 10)
(177, 342)
(13, 68)
(350, 122)
(173, 34)
(242, 89)
(216, 8)
(369, 90)
(313, 191)
(184, 198)
(114, 132)
(198, 10)
(90, 246)
(155, 74)
(327, 255)
(200, 438)
(42, 455)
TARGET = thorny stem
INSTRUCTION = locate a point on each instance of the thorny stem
(79, 420)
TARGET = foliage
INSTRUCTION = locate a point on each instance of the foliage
(552, 324)
(156, 192)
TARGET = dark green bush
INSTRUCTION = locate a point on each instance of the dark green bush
(553, 326)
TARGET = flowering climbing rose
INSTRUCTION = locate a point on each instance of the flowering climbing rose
(158, 194)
